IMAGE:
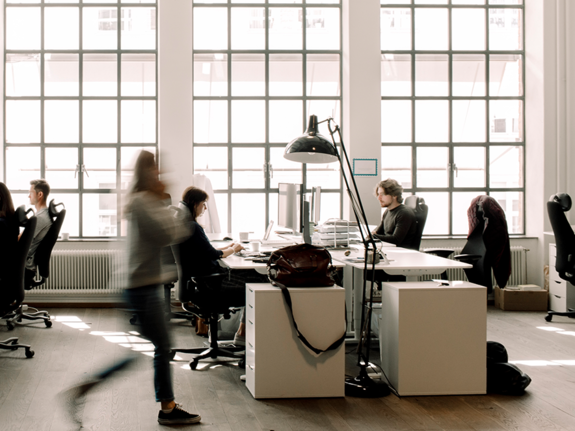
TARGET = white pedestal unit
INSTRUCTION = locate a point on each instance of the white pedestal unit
(433, 339)
(561, 292)
(278, 365)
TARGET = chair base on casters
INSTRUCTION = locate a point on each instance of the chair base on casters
(214, 351)
(550, 314)
(16, 317)
(12, 344)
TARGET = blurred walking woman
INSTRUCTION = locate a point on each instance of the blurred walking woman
(8, 231)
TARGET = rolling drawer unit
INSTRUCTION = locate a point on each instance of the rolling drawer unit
(278, 365)
(561, 293)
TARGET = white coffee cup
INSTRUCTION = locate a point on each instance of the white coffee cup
(65, 236)
(244, 236)
(255, 246)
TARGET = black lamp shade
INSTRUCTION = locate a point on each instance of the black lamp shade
(311, 147)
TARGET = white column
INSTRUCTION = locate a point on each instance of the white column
(361, 92)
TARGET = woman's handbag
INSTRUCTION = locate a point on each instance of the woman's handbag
(302, 265)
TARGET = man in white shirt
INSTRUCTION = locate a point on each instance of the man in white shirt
(39, 191)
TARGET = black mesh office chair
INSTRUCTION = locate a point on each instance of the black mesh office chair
(12, 286)
(203, 297)
(420, 209)
(557, 206)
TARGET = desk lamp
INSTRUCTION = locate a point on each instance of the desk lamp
(312, 147)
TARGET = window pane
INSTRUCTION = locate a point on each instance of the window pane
(326, 176)
(322, 75)
(61, 74)
(100, 164)
(330, 206)
(431, 75)
(430, 1)
(22, 166)
(285, 75)
(432, 167)
(23, 28)
(468, 29)
(506, 166)
(395, 1)
(61, 28)
(431, 120)
(248, 75)
(438, 216)
(210, 75)
(100, 28)
(512, 204)
(248, 121)
(431, 29)
(100, 214)
(505, 75)
(248, 28)
(213, 163)
(252, 220)
(505, 1)
(468, 120)
(285, 28)
(396, 164)
(210, 121)
(322, 28)
(210, 28)
(71, 223)
(100, 75)
(22, 75)
(248, 168)
(505, 29)
(285, 120)
(468, 75)
(461, 202)
(22, 121)
(273, 207)
(506, 120)
(470, 163)
(61, 168)
(283, 170)
(128, 161)
(61, 121)
(138, 75)
(138, 121)
(100, 121)
(395, 121)
(396, 75)
(468, 1)
(221, 200)
(138, 28)
(395, 28)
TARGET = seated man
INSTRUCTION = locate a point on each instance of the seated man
(39, 191)
(398, 225)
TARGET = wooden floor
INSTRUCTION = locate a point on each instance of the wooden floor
(82, 341)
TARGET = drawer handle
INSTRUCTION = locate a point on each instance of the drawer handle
(251, 345)
(558, 282)
(251, 306)
(251, 368)
(557, 296)
(251, 290)
(250, 321)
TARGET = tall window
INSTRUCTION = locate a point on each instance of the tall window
(80, 102)
(261, 67)
(452, 74)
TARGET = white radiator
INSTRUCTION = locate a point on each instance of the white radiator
(518, 267)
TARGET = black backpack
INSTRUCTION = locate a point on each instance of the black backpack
(502, 377)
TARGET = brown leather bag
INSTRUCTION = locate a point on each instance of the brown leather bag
(302, 265)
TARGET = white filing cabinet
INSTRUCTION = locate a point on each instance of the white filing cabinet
(433, 339)
(561, 295)
(278, 365)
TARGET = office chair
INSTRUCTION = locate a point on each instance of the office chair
(203, 297)
(420, 209)
(565, 243)
(12, 287)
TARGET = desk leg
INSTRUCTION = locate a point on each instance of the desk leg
(358, 301)
(348, 286)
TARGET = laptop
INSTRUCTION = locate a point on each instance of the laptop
(271, 242)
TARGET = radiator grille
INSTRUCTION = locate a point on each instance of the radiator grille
(518, 267)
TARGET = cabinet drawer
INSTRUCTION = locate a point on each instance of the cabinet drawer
(250, 312)
(557, 303)
(557, 286)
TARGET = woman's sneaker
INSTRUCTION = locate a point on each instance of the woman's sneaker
(177, 416)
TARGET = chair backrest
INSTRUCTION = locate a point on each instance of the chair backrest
(44, 251)
(564, 236)
(481, 271)
(13, 292)
(420, 209)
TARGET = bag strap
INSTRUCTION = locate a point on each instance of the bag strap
(317, 351)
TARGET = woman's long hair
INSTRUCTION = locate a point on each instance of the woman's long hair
(192, 197)
(6, 204)
(145, 178)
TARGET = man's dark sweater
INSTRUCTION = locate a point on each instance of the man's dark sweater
(398, 226)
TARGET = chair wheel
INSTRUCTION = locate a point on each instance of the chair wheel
(172, 355)
(29, 353)
(10, 326)
(242, 364)
(549, 317)
(48, 323)
(133, 320)
(194, 364)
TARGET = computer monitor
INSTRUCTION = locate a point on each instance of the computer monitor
(290, 204)
(315, 204)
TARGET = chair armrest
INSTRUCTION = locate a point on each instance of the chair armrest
(468, 258)
(441, 252)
